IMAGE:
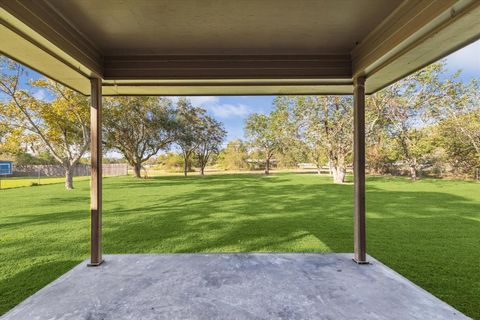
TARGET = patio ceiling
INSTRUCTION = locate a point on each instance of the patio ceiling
(215, 47)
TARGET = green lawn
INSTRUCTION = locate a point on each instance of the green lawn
(16, 182)
(428, 231)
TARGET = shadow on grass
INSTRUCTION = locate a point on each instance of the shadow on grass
(252, 213)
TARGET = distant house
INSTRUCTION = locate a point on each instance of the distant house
(6, 167)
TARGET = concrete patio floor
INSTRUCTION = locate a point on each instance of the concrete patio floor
(232, 286)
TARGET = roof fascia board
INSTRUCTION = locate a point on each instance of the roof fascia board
(227, 67)
(39, 21)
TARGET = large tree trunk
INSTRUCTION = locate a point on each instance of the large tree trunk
(267, 166)
(69, 177)
(413, 169)
(185, 167)
(338, 173)
(202, 169)
(137, 168)
(330, 167)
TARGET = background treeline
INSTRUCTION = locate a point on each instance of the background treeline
(425, 124)
(55, 128)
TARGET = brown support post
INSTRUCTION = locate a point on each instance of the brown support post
(359, 170)
(96, 172)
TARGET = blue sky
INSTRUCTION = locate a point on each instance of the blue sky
(233, 110)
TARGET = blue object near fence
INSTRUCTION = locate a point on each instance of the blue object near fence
(6, 168)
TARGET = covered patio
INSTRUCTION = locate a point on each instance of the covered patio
(233, 286)
(233, 47)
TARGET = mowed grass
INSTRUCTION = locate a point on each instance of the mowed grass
(17, 182)
(429, 230)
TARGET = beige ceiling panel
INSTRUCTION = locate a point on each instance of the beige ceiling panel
(250, 27)
(456, 32)
(165, 90)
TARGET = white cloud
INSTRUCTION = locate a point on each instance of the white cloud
(203, 101)
(229, 110)
(199, 101)
(40, 95)
(212, 105)
(467, 59)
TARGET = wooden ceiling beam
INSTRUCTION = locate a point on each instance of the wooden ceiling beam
(228, 67)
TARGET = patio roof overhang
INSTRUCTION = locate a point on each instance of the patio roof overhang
(233, 46)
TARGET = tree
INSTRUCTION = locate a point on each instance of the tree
(190, 128)
(380, 150)
(234, 156)
(324, 125)
(138, 127)
(171, 161)
(262, 132)
(407, 113)
(317, 127)
(210, 138)
(458, 117)
(292, 149)
(459, 144)
(61, 125)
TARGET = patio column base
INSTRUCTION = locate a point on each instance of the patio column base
(360, 262)
(96, 264)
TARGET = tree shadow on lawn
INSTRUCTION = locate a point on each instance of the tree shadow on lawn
(175, 181)
(254, 215)
(24, 220)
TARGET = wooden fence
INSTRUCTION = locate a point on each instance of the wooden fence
(114, 169)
